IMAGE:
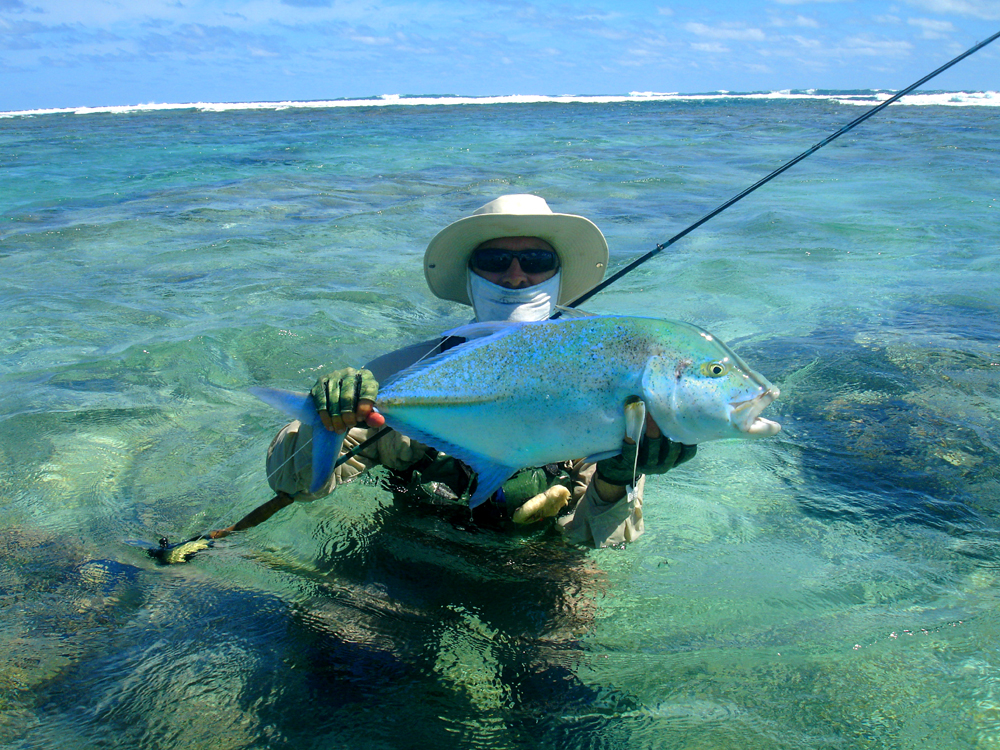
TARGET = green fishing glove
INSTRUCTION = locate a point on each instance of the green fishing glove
(341, 390)
(656, 456)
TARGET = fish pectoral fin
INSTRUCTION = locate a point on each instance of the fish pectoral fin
(635, 419)
(635, 425)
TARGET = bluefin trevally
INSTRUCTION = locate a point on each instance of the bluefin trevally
(534, 393)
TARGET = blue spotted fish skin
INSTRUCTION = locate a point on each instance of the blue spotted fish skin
(536, 393)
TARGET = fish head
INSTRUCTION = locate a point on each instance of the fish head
(703, 391)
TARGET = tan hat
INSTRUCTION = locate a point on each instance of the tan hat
(582, 249)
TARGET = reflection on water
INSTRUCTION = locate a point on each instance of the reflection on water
(914, 421)
(835, 587)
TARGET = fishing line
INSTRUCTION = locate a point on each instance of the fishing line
(760, 183)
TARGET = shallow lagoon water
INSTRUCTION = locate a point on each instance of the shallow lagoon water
(834, 587)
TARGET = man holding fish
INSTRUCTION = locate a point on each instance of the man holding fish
(485, 417)
(513, 260)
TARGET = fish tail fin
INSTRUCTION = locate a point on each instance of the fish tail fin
(298, 405)
(326, 445)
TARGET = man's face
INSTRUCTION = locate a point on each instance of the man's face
(515, 277)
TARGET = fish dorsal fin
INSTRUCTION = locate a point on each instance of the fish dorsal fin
(484, 333)
(572, 312)
(480, 330)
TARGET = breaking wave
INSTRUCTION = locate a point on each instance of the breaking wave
(858, 97)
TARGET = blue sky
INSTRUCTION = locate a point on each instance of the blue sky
(70, 53)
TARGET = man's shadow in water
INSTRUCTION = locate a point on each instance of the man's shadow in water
(441, 624)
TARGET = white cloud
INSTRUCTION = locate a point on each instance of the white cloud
(601, 17)
(713, 47)
(613, 34)
(806, 43)
(252, 12)
(725, 32)
(373, 40)
(869, 47)
(987, 9)
(932, 29)
(800, 22)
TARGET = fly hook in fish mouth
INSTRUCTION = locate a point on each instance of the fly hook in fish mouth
(746, 414)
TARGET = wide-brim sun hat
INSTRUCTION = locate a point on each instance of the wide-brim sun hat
(582, 249)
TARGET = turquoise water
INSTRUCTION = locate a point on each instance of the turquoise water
(834, 587)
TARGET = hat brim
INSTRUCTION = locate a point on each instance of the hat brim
(582, 250)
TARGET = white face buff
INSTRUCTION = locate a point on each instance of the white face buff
(495, 303)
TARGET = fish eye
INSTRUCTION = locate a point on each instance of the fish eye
(715, 369)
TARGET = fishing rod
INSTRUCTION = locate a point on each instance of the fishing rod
(763, 181)
(168, 552)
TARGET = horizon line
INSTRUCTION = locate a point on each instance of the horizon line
(843, 96)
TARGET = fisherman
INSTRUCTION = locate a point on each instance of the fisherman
(513, 260)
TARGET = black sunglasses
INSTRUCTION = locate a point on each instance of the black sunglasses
(497, 260)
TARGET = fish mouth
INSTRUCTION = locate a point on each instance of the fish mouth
(745, 415)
